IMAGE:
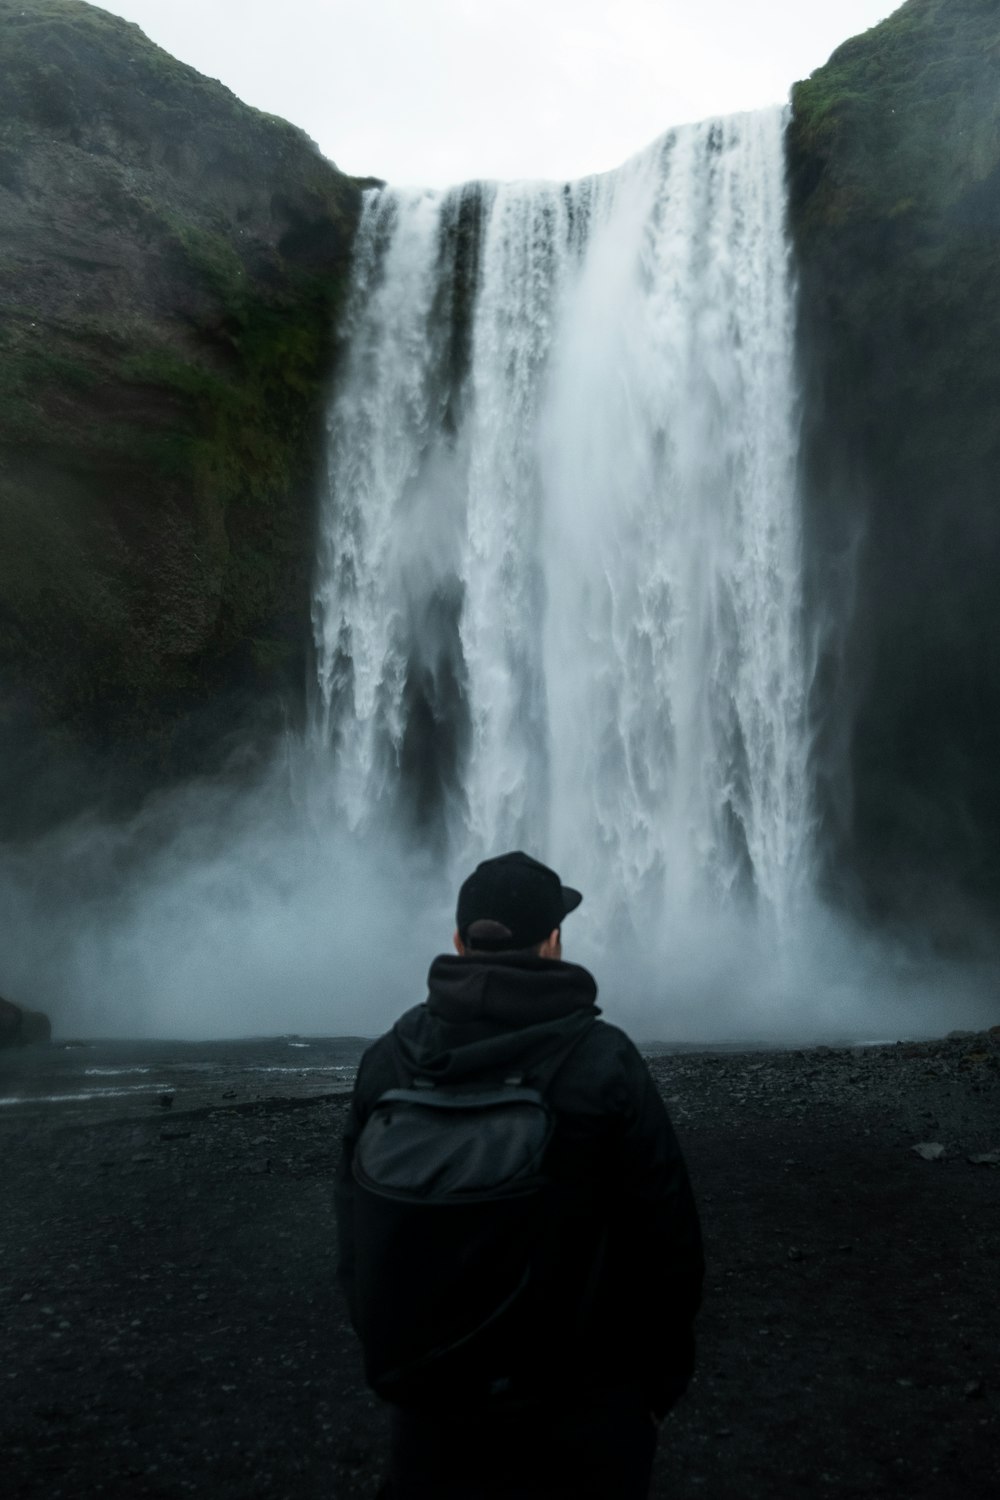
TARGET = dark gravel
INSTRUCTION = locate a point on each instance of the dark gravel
(171, 1324)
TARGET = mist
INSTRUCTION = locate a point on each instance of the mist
(559, 606)
(213, 912)
(221, 912)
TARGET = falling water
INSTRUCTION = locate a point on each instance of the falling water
(559, 599)
(558, 605)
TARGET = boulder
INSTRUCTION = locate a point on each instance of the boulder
(23, 1028)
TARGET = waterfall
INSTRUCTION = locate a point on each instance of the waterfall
(558, 605)
(558, 600)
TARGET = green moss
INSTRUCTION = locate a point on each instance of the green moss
(49, 365)
(161, 405)
(890, 106)
(213, 261)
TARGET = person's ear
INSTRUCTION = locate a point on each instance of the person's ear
(552, 945)
(459, 945)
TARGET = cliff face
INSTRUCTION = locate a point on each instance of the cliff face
(171, 263)
(171, 266)
(894, 159)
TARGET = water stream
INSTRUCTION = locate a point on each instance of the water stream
(559, 592)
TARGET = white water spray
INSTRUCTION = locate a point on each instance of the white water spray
(559, 606)
(614, 513)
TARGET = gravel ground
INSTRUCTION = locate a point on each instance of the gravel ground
(172, 1325)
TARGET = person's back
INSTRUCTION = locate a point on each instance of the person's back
(560, 1392)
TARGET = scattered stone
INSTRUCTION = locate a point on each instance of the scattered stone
(973, 1390)
(866, 1108)
(929, 1150)
(985, 1159)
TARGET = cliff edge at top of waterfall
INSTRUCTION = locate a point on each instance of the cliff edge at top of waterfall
(171, 264)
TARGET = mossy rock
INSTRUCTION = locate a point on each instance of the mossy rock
(172, 265)
(894, 168)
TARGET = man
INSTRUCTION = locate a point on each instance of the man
(559, 1393)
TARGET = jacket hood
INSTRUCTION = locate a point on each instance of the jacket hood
(492, 1014)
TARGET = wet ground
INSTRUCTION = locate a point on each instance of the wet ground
(78, 1083)
(172, 1327)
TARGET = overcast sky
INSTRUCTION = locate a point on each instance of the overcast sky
(432, 92)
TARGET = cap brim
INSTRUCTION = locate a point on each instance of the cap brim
(571, 899)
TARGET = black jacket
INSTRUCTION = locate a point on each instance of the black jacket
(629, 1226)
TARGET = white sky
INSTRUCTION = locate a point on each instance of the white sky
(432, 92)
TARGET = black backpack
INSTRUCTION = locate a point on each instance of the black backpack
(453, 1225)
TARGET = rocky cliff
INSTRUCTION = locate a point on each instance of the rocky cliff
(171, 263)
(894, 159)
(171, 266)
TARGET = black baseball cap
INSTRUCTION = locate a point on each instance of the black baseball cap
(517, 899)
